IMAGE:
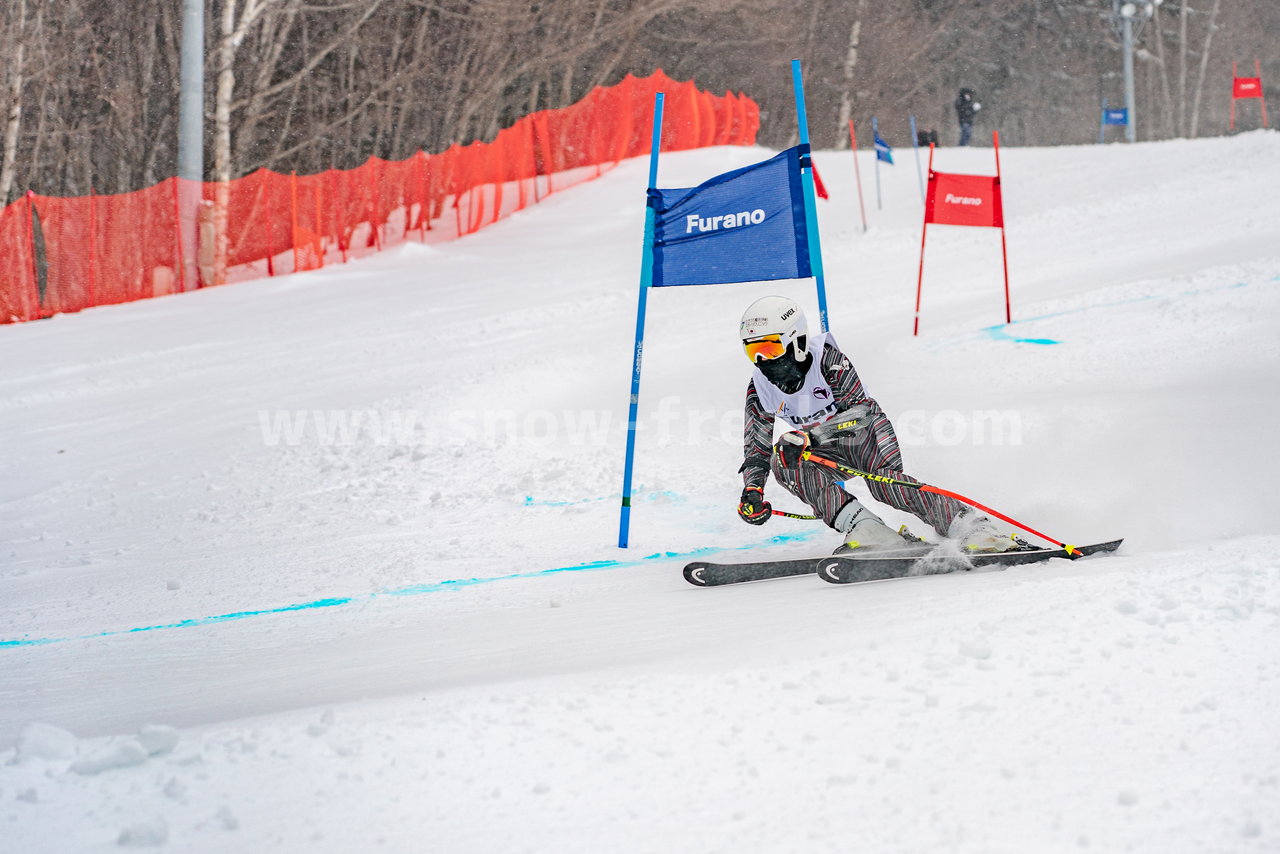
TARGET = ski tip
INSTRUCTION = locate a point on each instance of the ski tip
(693, 574)
(1075, 552)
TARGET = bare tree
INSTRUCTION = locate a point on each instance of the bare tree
(1173, 111)
(231, 34)
(1194, 124)
(850, 64)
(88, 90)
(13, 42)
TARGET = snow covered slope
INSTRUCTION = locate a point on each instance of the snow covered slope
(326, 563)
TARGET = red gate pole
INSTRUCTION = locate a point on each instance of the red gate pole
(1004, 252)
(853, 140)
(1262, 97)
(924, 231)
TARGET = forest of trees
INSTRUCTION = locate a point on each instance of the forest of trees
(89, 90)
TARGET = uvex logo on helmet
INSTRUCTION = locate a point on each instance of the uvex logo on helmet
(775, 315)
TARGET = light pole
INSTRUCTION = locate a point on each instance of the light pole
(190, 137)
(1127, 11)
(1130, 16)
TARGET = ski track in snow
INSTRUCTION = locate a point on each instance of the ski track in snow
(325, 563)
(417, 590)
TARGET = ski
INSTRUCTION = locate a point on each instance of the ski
(852, 569)
(703, 574)
(706, 574)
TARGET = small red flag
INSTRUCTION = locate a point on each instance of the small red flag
(817, 182)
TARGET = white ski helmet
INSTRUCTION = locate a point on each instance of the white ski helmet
(770, 324)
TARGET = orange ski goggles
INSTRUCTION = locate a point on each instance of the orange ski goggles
(766, 347)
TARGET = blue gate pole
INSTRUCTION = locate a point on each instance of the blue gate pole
(646, 279)
(1102, 124)
(915, 143)
(810, 201)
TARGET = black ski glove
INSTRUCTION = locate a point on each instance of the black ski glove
(752, 507)
(791, 448)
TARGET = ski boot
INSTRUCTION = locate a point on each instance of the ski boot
(864, 530)
(981, 537)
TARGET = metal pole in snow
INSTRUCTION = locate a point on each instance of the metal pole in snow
(1130, 127)
(190, 137)
(646, 279)
(810, 202)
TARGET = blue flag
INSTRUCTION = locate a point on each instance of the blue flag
(883, 151)
(743, 226)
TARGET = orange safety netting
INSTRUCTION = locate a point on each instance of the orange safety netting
(65, 254)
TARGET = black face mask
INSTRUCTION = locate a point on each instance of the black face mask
(785, 371)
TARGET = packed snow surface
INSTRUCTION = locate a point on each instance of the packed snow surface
(328, 563)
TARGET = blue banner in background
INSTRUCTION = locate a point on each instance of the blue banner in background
(743, 226)
(1115, 117)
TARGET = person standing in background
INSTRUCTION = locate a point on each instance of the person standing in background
(965, 108)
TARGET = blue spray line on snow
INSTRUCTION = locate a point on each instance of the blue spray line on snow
(413, 590)
(1000, 332)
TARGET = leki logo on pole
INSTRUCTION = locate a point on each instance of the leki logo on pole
(954, 199)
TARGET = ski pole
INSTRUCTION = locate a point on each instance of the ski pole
(924, 487)
(793, 515)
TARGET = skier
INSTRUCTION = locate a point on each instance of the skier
(810, 385)
(965, 108)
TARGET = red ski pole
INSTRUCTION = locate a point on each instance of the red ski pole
(924, 487)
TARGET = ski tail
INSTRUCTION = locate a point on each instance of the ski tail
(705, 574)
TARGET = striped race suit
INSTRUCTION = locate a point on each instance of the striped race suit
(873, 449)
